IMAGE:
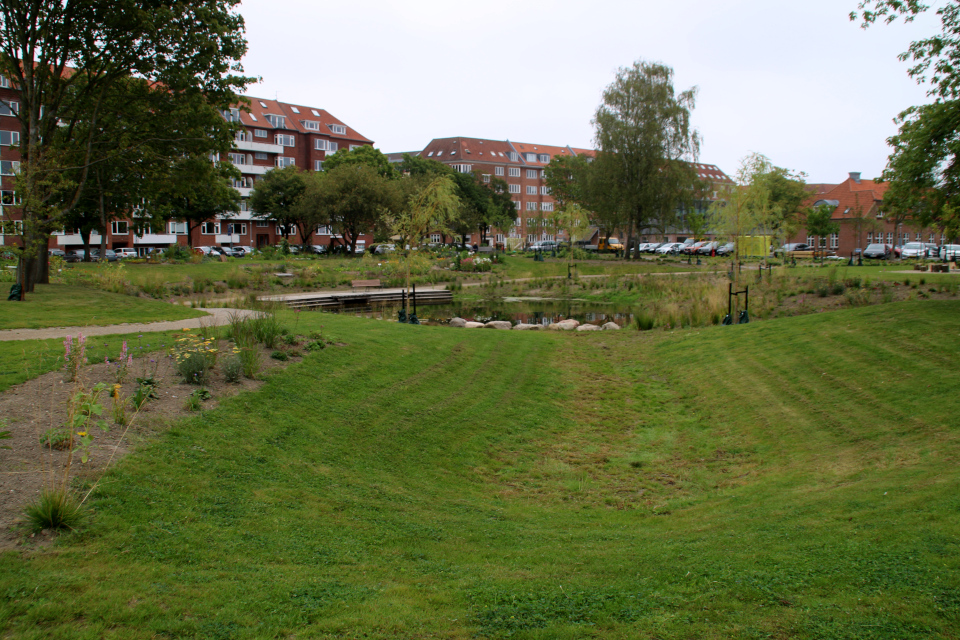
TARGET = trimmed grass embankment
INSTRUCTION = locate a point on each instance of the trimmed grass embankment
(792, 478)
(61, 305)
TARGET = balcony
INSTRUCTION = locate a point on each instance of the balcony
(244, 191)
(155, 238)
(245, 145)
(255, 169)
(75, 240)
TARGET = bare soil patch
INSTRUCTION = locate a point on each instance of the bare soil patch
(34, 407)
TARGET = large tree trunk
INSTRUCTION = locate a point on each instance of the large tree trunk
(85, 236)
(103, 228)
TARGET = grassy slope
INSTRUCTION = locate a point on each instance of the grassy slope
(794, 478)
(58, 305)
(23, 360)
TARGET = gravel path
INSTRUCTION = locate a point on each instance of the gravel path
(216, 317)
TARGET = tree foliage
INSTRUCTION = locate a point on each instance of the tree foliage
(195, 190)
(362, 155)
(277, 196)
(644, 136)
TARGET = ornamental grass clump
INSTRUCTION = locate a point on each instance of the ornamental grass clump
(55, 509)
(193, 357)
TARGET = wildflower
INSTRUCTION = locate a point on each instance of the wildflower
(81, 433)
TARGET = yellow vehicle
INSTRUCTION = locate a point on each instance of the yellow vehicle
(610, 244)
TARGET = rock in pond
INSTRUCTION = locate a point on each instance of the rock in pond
(498, 324)
(611, 326)
(458, 322)
(588, 327)
(564, 325)
(527, 327)
(473, 325)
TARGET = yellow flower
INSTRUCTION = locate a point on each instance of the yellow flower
(81, 433)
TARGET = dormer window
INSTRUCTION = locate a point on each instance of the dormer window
(338, 128)
(310, 125)
(280, 122)
(514, 156)
(231, 115)
(544, 158)
(530, 157)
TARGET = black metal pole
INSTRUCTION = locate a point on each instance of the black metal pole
(730, 299)
(414, 299)
(746, 298)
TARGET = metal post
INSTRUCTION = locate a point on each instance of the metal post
(746, 298)
(730, 299)
(414, 299)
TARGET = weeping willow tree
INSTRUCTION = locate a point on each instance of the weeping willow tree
(573, 219)
(434, 207)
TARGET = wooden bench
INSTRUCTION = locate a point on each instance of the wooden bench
(365, 283)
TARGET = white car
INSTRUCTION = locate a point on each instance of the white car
(670, 247)
(914, 250)
(126, 253)
(950, 252)
(247, 251)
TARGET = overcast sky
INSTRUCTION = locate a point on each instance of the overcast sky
(796, 81)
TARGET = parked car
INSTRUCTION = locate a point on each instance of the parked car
(610, 244)
(75, 255)
(123, 254)
(950, 252)
(708, 248)
(914, 250)
(233, 252)
(727, 249)
(385, 248)
(877, 251)
(109, 255)
(56, 252)
(933, 250)
(653, 246)
(794, 246)
(544, 245)
(669, 248)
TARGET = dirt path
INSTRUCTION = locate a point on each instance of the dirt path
(216, 317)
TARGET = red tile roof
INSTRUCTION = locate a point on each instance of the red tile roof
(867, 195)
(260, 108)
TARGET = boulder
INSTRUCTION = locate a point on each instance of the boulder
(588, 327)
(611, 326)
(473, 325)
(527, 327)
(498, 324)
(564, 325)
(458, 322)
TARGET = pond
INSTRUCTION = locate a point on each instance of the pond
(527, 310)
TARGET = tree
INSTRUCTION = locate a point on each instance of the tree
(362, 155)
(740, 207)
(66, 57)
(433, 207)
(357, 199)
(783, 194)
(819, 221)
(643, 135)
(277, 196)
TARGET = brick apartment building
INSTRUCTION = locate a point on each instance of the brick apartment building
(521, 165)
(275, 134)
(857, 207)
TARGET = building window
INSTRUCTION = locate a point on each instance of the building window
(280, 122)
(498, 171)
(11, 227)
(514, 172)
(4, 82)
(210, 228)
(516, 203)
(9, 167)
(435, 237)
(811, 241)
(8, 198)
(531, 206)
(834, 240)
(890, 238)
(870, 238)
(310, 125)
(259, 133)
(531, 237)
(285, 161)
(324, 145)
(237, 228)
(119, 227)
(547, 206)
(500, 238)
(544, 191)
(323, 230)
(544, 158)
(260, 155)
(318, 165)
(532, 173)
(243, 205)
(514, 156)
(517, 222)
(355, 146)
(178, 228)
(531, 191)
(463, 168)
(231, 115)
(514, 188)
(530, 157)
(486, 177)
(9, 138)
(338, 128)
(262, 224)
(546, 236)
(286, 141)
(238, 158)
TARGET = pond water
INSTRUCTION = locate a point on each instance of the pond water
(516, 310)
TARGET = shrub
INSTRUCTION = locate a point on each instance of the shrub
(177, 252)
(56, 438)
(837, 288)
(643, 322)
(232, 367)
(280, 355)
(55, 509)
(315, 345)
(193, 356)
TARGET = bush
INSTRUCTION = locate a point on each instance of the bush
(643, 322)
(56, 438)
(177, 252)
(55, 509)
(280, 355)
(192, 356)
(232, 367)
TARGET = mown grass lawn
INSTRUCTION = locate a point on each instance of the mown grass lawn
(61, 305)
(792, 478)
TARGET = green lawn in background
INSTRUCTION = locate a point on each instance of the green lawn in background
(791, 478)
(60, 305)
